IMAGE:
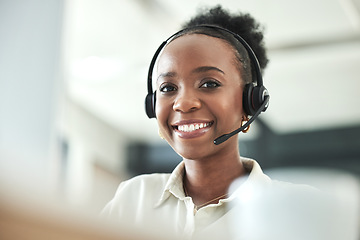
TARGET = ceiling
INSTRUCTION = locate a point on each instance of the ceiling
(314, 51)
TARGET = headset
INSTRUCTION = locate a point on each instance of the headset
(255, 95)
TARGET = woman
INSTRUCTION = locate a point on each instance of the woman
(200, 82)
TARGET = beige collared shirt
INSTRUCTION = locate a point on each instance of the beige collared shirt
(158, 201)
(257, 208)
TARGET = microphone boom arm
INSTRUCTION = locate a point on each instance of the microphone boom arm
(225, 137)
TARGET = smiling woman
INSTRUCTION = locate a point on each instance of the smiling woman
(208, 84)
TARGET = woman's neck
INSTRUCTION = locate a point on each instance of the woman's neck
(209, 178)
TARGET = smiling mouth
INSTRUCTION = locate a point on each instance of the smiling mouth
(192, 127)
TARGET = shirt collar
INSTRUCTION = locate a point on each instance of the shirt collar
(255, 177)
(174, 185)
(245, 187)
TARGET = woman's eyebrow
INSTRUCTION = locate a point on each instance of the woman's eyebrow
(166, 74)
(207, 68)
(196, 70)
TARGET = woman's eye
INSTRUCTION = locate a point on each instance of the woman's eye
(167, 88)
(210, 84)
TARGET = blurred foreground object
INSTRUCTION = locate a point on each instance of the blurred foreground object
(329, 211)
(30, 214)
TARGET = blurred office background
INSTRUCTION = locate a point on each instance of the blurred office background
(73, 83)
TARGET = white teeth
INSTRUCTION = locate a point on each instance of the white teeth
(192, 127)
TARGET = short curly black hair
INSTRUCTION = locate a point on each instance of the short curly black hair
(242, 24)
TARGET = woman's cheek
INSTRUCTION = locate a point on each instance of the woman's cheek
(162, 113)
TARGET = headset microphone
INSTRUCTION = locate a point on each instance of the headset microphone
(225, 137)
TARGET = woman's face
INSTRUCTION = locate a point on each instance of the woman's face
(199, 95)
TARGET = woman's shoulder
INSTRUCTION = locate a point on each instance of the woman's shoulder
(135, 193)
(146, 180)
(290, 186)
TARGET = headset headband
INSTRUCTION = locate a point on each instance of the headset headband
(251, 53)
(254, 94)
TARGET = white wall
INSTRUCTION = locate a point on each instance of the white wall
(35, 114)
(29, 67)
(95, 163)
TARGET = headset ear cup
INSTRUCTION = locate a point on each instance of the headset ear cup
(154, 103)
(150, 104)
(247, 99)
(258, 97)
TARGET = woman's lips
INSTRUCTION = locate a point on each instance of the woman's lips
(191, 129)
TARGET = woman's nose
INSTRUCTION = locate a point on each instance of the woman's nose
(186, 102)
